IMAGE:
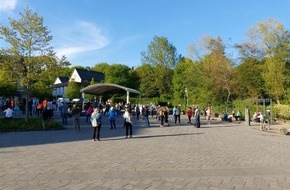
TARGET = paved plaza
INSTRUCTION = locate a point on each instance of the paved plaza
(216, 156)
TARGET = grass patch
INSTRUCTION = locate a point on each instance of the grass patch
(33, 124)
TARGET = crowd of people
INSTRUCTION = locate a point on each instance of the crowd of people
(94, 113)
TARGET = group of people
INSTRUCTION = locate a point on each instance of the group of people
(96, 122)
(15, 108)
(14, 105)
(94, 115)
(193, 112)
(237, 116)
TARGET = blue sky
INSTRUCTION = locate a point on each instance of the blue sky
(88, 32)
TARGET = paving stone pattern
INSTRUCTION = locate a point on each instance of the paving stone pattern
(215, 156)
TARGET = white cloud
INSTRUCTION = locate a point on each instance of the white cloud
(81, 38)
(7, 5)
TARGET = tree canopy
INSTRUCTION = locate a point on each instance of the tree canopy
(29, 55)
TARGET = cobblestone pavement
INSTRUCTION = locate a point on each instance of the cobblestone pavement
(215, 156)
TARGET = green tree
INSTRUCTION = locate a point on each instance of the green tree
(145, 73)
(90, 96)
(185, 82)
(102, 67)
(53, 69)
(29, 48)
(269, 41)
(215, 71)
(118, 74)
(134, 81)
(249, 82)
(73, 90)
(163, 57)
(8, 84)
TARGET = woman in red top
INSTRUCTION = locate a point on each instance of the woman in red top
(189, 115)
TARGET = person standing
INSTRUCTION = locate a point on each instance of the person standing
(39, 108)
(96, 121)
(64, 109)
(89, 112)
(137, 110)
(261, 117)
(45, 116)
(146, 116)
(189, 115)
(161, 115)
(197, 117)
(208, 114)
(128, 123)
(30, 104)
(16, 109)
(112, 117)
(166, 114)
(176, 113)
(76, 112)
(151, 109)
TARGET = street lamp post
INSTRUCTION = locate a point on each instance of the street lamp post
(186, 94)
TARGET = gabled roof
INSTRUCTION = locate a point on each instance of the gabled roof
(60, 82)
(87, 75)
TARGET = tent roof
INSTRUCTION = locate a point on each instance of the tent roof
(102, 88)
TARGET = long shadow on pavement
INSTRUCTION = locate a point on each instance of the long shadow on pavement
(29, 138)
(153, 136)
(14, 139)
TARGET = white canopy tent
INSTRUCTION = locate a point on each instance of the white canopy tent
(101, 88)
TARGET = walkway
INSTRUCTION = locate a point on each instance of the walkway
(216, 156)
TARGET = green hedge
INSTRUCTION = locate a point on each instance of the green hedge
(282, 111)
(33, 124)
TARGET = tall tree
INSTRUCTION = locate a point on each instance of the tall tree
(145, 73)
(116, 73)
(8, 84)
(29, 48)
(163, 57)
(270, 41)
(249, 82)
(185, 81)
(215, 70)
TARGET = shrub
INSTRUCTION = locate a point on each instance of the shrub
(33, 124)
(282, 111)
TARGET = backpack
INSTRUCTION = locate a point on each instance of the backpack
(177, 112)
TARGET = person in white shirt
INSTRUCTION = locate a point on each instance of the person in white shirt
(8, 113)
(128, 123)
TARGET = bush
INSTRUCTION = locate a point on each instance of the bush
(282, 111)
(33, 124)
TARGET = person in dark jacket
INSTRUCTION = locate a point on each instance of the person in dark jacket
(76, 112)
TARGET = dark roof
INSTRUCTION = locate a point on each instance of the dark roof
(63, 79)
(63, 82)
(87, 75)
